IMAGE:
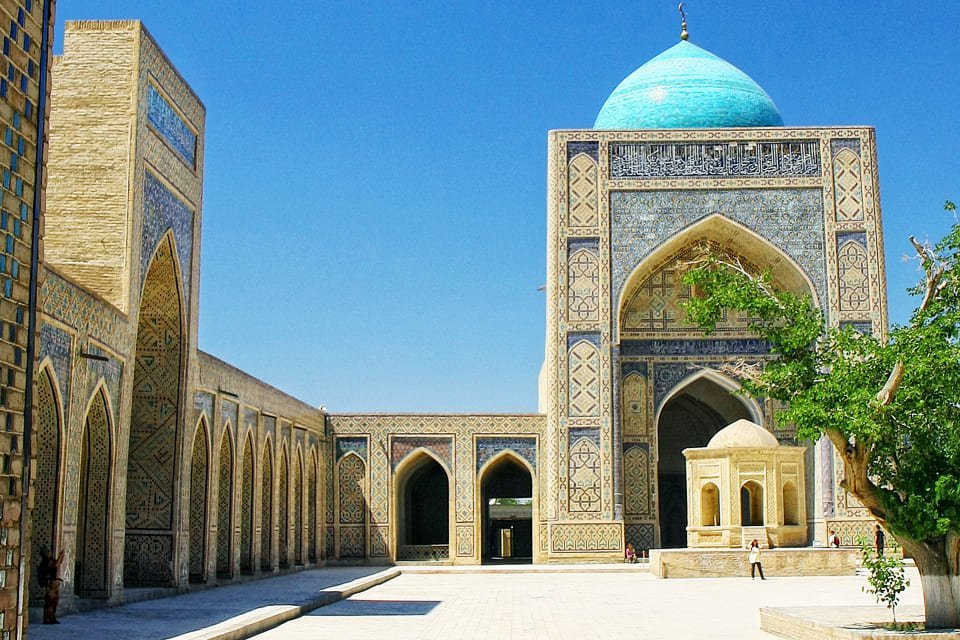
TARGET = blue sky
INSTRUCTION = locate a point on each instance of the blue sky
(374, 202)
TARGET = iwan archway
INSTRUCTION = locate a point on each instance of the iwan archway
(507, 509)
(422, 494)
(691, 414)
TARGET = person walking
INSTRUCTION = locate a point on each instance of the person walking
(754, 558)
(879, 539)
(49, 578)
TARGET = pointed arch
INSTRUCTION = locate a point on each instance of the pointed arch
(727, 383)
(92, 575)
(283, 512)
(48, 483)
(225, 505)
(312, 508)
(266, 507)
(507, 474)
(298, 509)
(246, 507)
(152, 459)
(422, 490)
(199, 490)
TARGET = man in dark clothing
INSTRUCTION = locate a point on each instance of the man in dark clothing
(49, 578)
(879, 539)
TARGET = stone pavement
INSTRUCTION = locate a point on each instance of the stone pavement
(238, 608)
(562, 606)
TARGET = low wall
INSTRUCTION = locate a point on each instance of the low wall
(720, 563)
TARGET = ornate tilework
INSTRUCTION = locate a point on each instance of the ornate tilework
(225, 508)
(779, 159)
(526, 448)
(229, 413)
(865, 327)
(583, 191)
(584, 474)
(163, 211)
(853, 270)
(464, 541)
(378, 542)
(266, 509)
(356, 445)
(848, 186)
(56, 344)
(790, 219)
(695, 347)
(198, 503)
(641, 535)
(246, 509)
(584, 380)
(91, 579)
(353, 504)
(588, 148)
(839, 144)
(47, 481)
(312, 510)
(586, 537)
(203, 404)
(165, 121)
(637, 472)
(351, 542)
(583, 292)
(634, 405)
(440, 447)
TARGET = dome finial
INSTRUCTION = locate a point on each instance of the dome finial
(684, 34)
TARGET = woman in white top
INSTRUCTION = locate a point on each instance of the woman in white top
(754, 558)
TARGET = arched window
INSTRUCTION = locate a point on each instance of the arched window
(751, 504)
(791, 504)
(709, 505)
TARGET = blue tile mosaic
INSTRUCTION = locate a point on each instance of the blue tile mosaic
(856, 236)
(776, 159)
(864, 327)
(791, 219)
(839, 144)
(229, 412)
(111, 370)
(203, 403)
(626, 368)
(576, 336)
(356, 445)
(162, 211)
(270, 427)
(576, 433)
(589, 148)
(170, 126)
(590, 244)
(526, 448)
(694, 347)
(636, 445)
(56, 343)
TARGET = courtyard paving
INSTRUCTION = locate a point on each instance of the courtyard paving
(561, 606)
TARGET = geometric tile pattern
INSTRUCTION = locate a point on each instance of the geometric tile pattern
(487, 447)
(352, 499)
(584, 476)
(225, 508)
(641, 535)
(584, 380)
(266, 508)
(847, 184)
(440, 447)
(634, 400)
(246, 509)
(637, 481)
(583, 191)
(47, 478)
(198, 503)
(94, 491)
(584, 289)
(852, 267)
(595, 537)
(164, 211)
(283, 509)
(56, 343)
(298, 510)
(312, 523)
(165, 121)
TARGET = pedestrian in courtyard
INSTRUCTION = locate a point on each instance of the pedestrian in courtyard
(754, 558)
(834, 539)
(49, 578)
(631, 554)
(879, 539)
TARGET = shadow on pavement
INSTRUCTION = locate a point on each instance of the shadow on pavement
(377, 608)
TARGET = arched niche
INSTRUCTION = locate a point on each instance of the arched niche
(266, 508)
(709, 505)
(48, 483)
(92, 569)
(422, 492)
(199, 480)
(751, 504)
(507, 509)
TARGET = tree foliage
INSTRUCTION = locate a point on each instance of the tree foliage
(886, 579)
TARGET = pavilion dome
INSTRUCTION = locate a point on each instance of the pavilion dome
(745, 434)
(687, 87)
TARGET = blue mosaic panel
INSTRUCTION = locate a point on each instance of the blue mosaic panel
(852, 236)
(791, 219)
(356, 445)
(165, 121)
(694, 347)
(590, 433)
(526, 448)
(250, 420)
(666, 375)
(786, 159)
(576, 336)
(203, 403)
(229, 412)
(270, 427)
(162, 211)
(636, 445)
(865, 327)
(111, 370)
(56, 343)
(839, 144)
(590, 244)
(589, 148)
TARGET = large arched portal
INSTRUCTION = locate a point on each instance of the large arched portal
(691, 416)
(423, 510)
(152, 461)
(506, 511)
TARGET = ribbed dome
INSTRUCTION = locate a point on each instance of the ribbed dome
(686, 87)
(743, 433)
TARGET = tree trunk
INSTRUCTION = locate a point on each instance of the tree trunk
(938, 561)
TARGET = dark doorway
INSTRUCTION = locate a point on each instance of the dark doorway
(507, 512)
(689, 419)
(424, 510)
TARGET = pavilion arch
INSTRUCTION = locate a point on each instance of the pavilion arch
(266, 506)
(153, 457)
(709, 505)
(93, 567)
(422, 506)
(312, 523)
(490, 469)
(199, 500)
(246, 506)
(690, 414)
(751, 504)
(729, 236)
(283, 512)
(49, 463)
(791, 504)
(225, 504)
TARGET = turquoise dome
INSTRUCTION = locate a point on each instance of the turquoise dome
(686, 87)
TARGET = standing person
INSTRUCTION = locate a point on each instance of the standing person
(834, 539)
(49, 575)
(879, 538)
(754, 558)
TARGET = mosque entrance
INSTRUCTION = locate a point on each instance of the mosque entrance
(423, 510)
(507, 512)
(691, 416)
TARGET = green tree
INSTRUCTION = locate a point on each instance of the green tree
(890, 405)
